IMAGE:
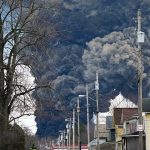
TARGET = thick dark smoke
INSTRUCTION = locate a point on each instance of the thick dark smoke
(89, 35)
(115, 56)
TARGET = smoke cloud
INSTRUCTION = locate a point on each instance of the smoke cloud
(115, 56)
(89, 35)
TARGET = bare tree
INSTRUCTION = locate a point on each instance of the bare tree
(19, 30)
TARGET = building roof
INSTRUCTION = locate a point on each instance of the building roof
(123, 114)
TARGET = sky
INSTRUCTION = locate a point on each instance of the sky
(26, 121)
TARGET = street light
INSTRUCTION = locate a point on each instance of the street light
(97, 109)
(78, 113)
(87, 103)
(87, 100)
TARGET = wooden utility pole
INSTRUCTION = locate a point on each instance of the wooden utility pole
(88, 128)
(140, 78)
(97, 109)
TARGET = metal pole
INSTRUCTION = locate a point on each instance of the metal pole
(69, 131)
(57, 146)
(67, 137)
(88, 128)
(97, 109)
(59, 141)
(140, 74)
(73, 128)
(78, 112)
(63, 140)
(64, 137)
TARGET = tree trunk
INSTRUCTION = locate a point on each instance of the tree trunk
(3, 128)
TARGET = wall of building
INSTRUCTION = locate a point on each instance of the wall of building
(132, 143)
(111, 136)
(118, 135)
(147, 130)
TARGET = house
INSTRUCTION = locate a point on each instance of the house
(110, 128)
(130, 139)
(146, 118)
(120, 115)
(102, 131)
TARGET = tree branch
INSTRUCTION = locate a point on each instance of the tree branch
(14, 118)
(26, 91)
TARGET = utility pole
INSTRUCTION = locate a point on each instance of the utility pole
(69, 131)
(88, 128)
(62, 139)
(59, 138)
(140, 36)
(97, 109)
(73, 129)
(78, 113)
(64, 135)
(67, 138)
(68, 127)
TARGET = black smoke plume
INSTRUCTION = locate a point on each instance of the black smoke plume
(89, 35)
